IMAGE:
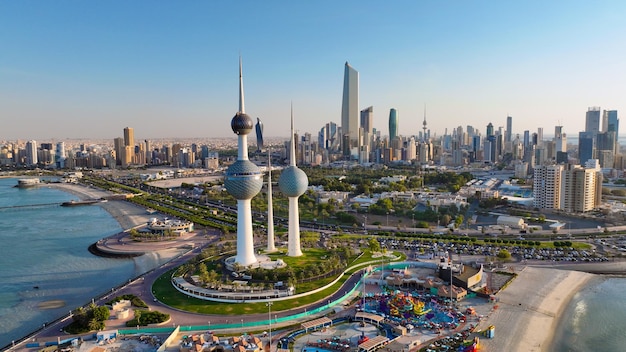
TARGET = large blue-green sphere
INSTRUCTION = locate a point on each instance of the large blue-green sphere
(293, 181)
(243, 179)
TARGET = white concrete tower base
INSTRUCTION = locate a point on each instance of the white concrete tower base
(245, 241)
(293, 249)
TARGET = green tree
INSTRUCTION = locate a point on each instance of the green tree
(458, 220)
(101, 313)
(504, 254)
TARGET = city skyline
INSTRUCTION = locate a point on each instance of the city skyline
(82, 70)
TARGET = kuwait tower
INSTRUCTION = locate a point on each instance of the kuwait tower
(243, 180)
(293, 183)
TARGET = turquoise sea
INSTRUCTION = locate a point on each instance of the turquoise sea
(44, 257)
(595, 319)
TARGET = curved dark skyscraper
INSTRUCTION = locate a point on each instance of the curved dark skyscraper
(393, 124)
(259, 134)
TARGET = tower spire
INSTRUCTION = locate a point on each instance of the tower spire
(424, 123)
(292, 158)
(241, 107)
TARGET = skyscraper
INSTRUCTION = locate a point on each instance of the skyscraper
(129, 137)
(243, 180)
(547, 186)
(259, 134)
(489, 129)
(293, 183)
(129, 147)
(31, 153)
(509, 129)
(60, 155)
(592, 120)
(118, 144)
(350, 108)
(613, 126)
(585, 147)
(367, 119)
(560, 139)
(612, 121)
(581, 189)
(393, 124)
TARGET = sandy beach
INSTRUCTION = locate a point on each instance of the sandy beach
(126, 214)
(527, 311)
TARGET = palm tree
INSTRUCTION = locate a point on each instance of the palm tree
(138, 316)
(95, 324)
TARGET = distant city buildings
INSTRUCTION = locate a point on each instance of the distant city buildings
(355, 141)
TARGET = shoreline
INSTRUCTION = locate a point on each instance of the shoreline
(528, 311)
(126, 214)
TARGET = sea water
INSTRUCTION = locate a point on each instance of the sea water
(595, 318)
(45, 267)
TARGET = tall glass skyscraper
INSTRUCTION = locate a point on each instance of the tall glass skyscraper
(393, 124)
(585, 146)
(509, 129)
(592, 120)
(367, 119)
(612, 122)
(350, 108)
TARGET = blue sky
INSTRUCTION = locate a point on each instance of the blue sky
(87, 69)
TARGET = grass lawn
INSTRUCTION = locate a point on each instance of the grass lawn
(167, 294)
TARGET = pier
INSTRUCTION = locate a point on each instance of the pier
(29, 206)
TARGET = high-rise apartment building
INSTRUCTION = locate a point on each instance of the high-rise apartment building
(582, 189)
(31, 153)
(547, 186)
(350, 109)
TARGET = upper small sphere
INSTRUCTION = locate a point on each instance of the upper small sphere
(293, 181)
(241, 123)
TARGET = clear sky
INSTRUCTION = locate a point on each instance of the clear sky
(87, 69)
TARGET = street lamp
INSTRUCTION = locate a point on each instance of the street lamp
(387, 219)
(269, 316)
(450, 266)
